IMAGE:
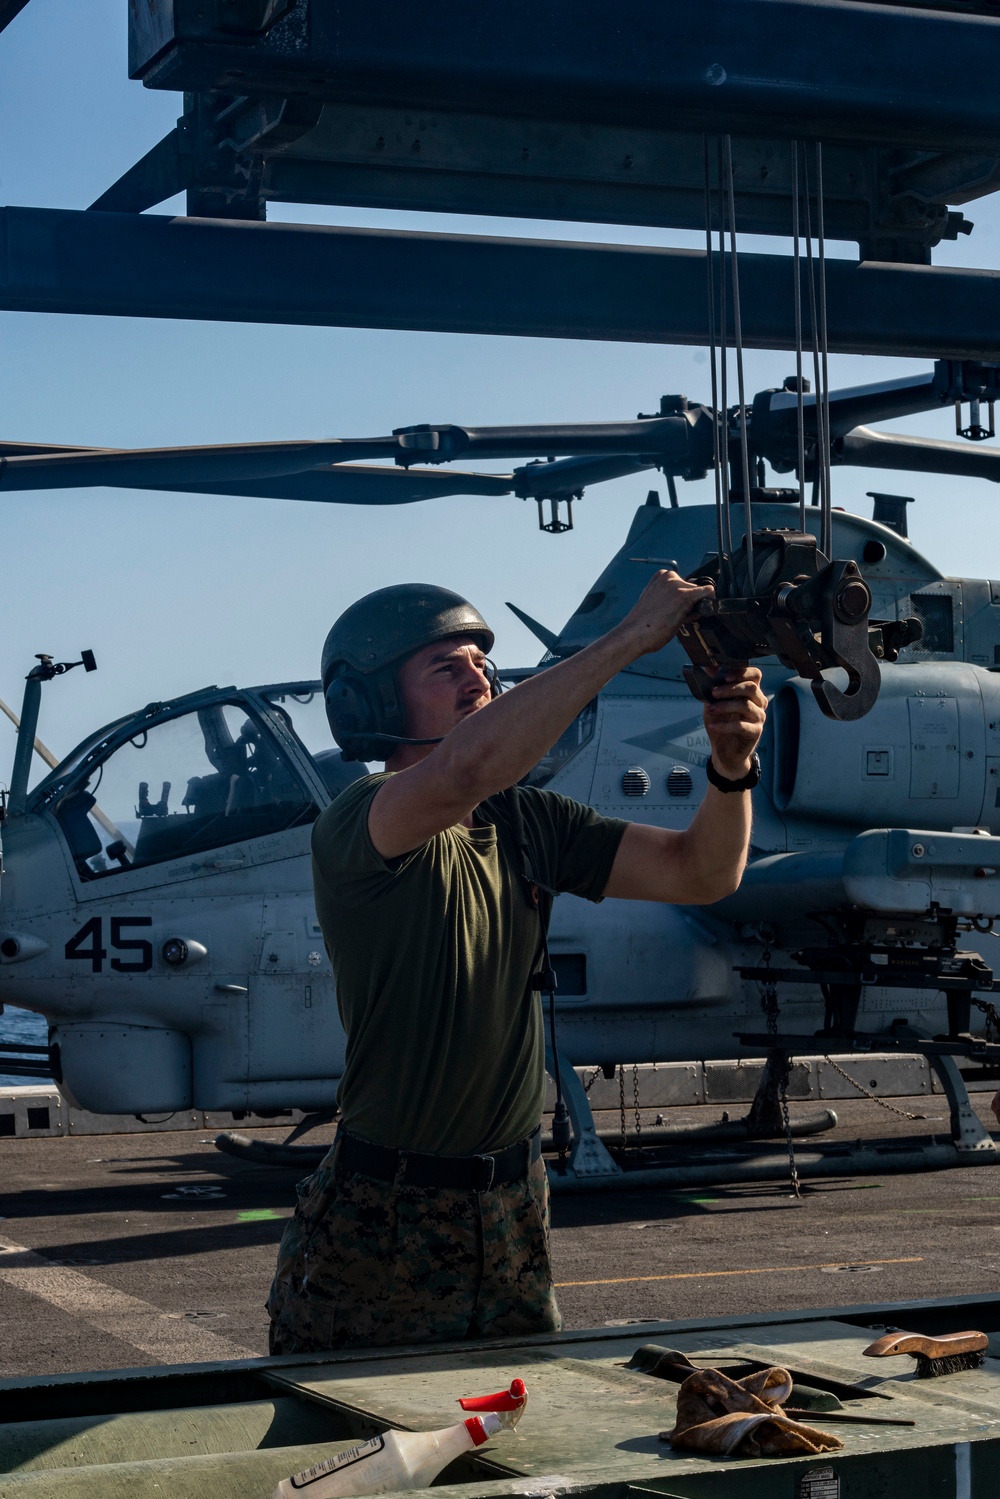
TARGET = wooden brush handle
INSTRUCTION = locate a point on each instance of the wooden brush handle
(946, 1346)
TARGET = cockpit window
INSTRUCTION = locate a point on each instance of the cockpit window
(302, 707)
(205, 779)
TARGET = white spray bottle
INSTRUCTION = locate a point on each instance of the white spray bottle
(407, 1459)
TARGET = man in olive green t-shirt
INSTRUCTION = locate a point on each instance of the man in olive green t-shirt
(428, 1220)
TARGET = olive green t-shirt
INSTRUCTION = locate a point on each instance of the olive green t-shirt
(432, 955)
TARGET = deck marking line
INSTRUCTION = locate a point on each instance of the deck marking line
(627, 1280)
(125, 1317)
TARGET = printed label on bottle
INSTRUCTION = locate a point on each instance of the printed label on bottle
(342, 1460)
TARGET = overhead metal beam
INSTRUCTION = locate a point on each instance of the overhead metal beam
(235, 155)
(827, 69)
(153, 179)
(125, 265)
(8, 10)
(489, 164)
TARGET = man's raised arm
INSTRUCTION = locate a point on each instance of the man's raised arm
(487, 750)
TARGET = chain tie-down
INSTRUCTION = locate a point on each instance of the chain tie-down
(779, 1063)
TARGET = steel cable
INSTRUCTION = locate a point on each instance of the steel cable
(720, 516)
(800, 414)
(818, 470)
(738, 345)
(817, 317)
(827, 545)
(724, 357)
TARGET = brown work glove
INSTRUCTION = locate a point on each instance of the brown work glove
(743, 1417)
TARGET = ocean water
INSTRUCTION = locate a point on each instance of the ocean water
(26, 1027)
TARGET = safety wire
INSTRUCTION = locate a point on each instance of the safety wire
(738, 345)
(800, 412)
(769, 1004)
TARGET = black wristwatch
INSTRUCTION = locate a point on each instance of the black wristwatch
(745, 783)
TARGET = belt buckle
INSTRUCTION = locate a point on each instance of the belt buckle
(486, 1167)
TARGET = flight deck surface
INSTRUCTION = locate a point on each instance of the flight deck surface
(119, 1250)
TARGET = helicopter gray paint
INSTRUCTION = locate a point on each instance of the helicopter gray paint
(254, 1025)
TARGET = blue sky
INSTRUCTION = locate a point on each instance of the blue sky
(175, 591)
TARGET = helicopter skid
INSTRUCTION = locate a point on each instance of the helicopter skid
(732, 1130)
(590, 1166)
(765, 1165)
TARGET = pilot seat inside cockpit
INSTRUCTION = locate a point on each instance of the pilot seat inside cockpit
(239, 784)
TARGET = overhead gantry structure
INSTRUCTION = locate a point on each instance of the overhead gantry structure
(8, 10)
(512, 108)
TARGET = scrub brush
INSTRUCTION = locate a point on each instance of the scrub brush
(948, 1354)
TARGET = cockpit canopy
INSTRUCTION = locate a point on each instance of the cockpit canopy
(208, 770)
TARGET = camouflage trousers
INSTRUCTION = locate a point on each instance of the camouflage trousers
(366, 1263)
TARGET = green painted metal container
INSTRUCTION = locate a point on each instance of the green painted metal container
(232, 1431)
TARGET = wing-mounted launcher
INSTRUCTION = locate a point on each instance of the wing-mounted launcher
(813, 614)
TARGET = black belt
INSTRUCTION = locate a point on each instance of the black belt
(471, 1173)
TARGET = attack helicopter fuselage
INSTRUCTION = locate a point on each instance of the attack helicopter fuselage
(157, 898)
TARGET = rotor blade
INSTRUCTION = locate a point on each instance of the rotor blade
(678, 444)
(343, 484)
(568, 476)
(166, 467)
(356, 484)
(775, 412)
(30, 449)
(859, 403)
(361, 484)
(674, 440)
(864, 448)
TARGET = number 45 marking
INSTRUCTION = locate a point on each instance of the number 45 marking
(87, 945)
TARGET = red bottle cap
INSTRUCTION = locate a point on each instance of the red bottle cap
(503, 1400)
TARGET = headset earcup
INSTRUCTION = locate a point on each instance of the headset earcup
(351, 711)
(388, 716)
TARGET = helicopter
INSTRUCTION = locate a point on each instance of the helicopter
(157, 903)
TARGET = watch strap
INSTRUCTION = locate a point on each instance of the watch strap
(745, 783)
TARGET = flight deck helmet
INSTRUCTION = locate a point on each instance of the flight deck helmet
(366, 645)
